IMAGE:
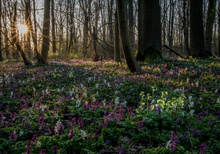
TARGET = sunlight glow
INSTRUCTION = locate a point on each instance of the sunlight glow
(22, 28)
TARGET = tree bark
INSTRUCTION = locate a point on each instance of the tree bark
(117, 50)
(123, 28)
(149, 30)
(197, 45)
(15, 37)
(209, 26)
(1, 57)
(46, 30)
(53, 27)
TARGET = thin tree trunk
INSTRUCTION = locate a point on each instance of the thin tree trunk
(28, 34)
(15, 37)
(209, 25)
(123, 27)
(1, 57)
(53, 27)
(117, 40)
(131, 24)
(46, 30)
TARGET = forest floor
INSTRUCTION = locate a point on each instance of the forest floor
(78, 106)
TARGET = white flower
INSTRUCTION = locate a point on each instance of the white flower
(191, 112)
(97, 85)
(117, 100)
(78, 102)
(218, 100)
(21, 133)
(83, 133)
(190, 98)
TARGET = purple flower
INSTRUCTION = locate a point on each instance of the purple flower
(48, 128)
(1, 118)
(28, 145)
(43, 151)
(218, 115)
(174, 137)
(54, 149)
(158, 109)
(28, 152)
(107, 141)
(140, 124)
(173, 141)
(40, 122)
(59, 127)
(202, 148)
(80, 122)
(34, 138)
(173, 146)
(120, 150)
(196, 132)
(13, 136)
(13, 116)
(71, 133)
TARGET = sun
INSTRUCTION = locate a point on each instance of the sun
(22, 28)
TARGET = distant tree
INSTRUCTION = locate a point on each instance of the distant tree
(1, 57)
(28, 24)
(46, 30)
(14, 34)
(53, 27)
(197, 45)
(209, 25)
(149, 30)
(117, 41)
(123, 28)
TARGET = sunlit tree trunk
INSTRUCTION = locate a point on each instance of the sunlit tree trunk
(15, 36)
(53, 27)
(209, 25)
(46, 30)
(123, 28)
(28, 23)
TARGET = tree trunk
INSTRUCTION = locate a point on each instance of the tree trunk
(117, 40)
(185, 26)
(123, 28)
(131, 25)
(53, 27)
(46, 30)
(209, 26)
(15, 37)
(218, 52)
(197, 46)
(149, 30)
(28, 23)
(1, 57)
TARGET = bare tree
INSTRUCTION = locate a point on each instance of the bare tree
(15, 35)
(149, 30)
(123, 28)
(117, 41)
(1, 57)
(209, 25)
(46, 30)
(197, 46)
(53, 27)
